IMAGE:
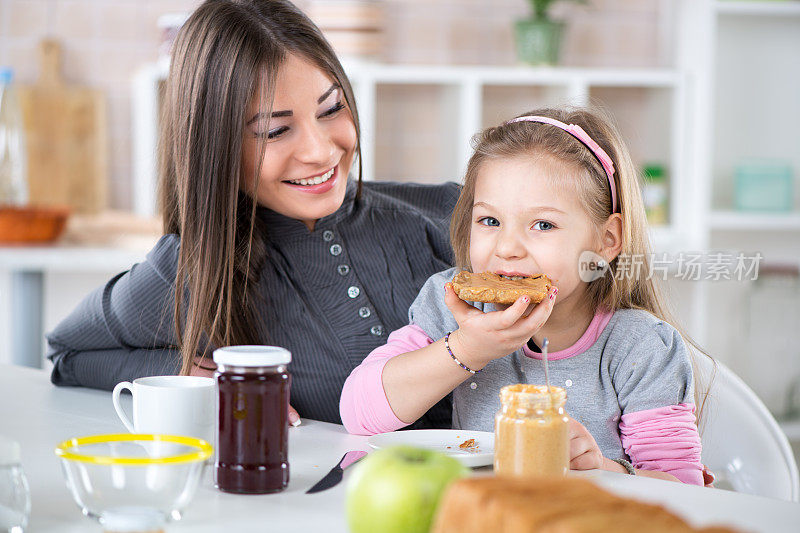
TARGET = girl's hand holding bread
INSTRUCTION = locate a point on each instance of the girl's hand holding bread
(482, 337)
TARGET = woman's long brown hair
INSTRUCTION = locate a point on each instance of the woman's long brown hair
(592, 188)
(226, 51)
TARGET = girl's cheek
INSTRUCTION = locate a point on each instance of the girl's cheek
(474, 253)
(478, 257)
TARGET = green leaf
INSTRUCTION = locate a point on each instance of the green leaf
(541, 8)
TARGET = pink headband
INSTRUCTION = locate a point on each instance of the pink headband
(577, 132)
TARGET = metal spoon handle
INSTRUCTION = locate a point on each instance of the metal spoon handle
(545, 342)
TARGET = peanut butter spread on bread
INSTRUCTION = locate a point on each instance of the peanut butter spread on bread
(489, 287)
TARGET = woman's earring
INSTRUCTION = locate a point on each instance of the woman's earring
(601, 264)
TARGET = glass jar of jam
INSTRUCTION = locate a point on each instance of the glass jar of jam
(531, 432)
(252, 412)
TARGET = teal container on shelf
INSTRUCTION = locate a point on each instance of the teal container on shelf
(763, 186)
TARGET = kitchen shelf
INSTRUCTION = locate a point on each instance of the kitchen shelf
(465, 93)
(58, 258)
(766, 8)
(484, 75)
(514, 75)
(754, 221)
(666, 239)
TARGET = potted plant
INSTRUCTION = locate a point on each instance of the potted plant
(538, 37)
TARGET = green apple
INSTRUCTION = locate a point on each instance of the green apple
(397, 489)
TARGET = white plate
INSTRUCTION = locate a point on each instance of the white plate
(442, 440)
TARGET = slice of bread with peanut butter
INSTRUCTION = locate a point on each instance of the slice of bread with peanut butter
(489, 287)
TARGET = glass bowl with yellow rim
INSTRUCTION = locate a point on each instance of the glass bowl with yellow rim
(133, 481)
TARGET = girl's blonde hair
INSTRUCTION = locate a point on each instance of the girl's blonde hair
(591, 185)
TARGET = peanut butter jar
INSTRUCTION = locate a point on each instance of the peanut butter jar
(531, 432)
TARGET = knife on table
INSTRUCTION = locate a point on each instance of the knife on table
(333, 477)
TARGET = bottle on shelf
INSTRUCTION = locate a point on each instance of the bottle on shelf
(13, 157)
(763, 185)
(655, 194)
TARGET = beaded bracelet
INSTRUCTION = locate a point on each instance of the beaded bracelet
(624, 463)
(459, 363)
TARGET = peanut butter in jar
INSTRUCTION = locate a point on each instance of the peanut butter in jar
(531, 432)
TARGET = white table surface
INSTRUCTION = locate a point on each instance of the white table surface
(39, 415)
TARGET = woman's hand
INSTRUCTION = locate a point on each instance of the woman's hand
(482, 337)
(205, 368)
(294, 418)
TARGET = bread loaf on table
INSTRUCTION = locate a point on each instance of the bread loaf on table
(548, 505)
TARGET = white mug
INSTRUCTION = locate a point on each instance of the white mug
(171, 405)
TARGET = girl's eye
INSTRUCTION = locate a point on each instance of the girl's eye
(488, 221)
(543, 225)
(338, 106)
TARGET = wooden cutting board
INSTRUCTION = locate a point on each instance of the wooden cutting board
(66, 136)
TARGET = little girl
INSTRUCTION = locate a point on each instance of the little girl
(541, 192)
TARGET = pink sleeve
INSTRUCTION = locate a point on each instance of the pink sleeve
(363, 406)
(664, 439)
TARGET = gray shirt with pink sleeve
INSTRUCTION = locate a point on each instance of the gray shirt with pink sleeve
(626, 362)
(628, 381)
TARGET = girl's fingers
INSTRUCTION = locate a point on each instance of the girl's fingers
(575, 429)
(461, 310)
(541, 312)
(509, 317)
(584, 461)
(583, 450)
(578, 446)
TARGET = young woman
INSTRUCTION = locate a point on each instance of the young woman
(269, 239)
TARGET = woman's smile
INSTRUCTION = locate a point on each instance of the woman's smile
(314, 180)
(321, 183)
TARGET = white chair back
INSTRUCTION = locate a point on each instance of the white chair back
(742, 443)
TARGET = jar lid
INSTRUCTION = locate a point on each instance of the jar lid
(252, 356)
(533, 395)
(9, 451)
